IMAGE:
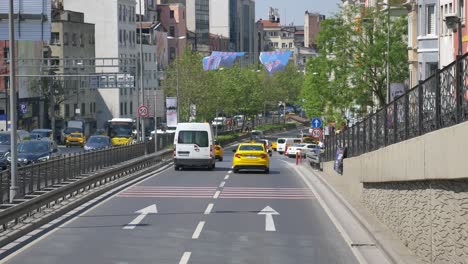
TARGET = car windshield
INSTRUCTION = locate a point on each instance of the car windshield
(171, 128)
(40, 134)
(4, 139)
(76, 135)
(251, 147)
(71, 130)
(281, 141)
(200, 138)
(98, 140)
(298, 145)
(33, 147)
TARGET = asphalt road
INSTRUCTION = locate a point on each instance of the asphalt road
(202, 217)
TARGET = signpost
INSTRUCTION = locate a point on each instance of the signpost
(316, 123)
(317, 133)
(143, 111)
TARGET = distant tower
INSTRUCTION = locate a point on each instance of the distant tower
(312, 28)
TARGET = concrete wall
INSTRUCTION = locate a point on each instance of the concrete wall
(418, 188)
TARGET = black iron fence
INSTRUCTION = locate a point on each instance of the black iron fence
(65, 168)
(438, 102)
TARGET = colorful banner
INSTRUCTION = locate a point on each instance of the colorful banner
(275, 61)
(171, 111)
(220, 59)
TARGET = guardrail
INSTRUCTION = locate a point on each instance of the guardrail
(438, 102)
(39, 176)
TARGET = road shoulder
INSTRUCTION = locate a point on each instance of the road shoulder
(383, 236)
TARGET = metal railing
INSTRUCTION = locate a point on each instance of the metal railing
(437, 102)
(39, 176)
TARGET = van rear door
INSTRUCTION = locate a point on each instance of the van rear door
(193, 144)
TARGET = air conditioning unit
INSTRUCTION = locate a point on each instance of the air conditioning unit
(451, 19)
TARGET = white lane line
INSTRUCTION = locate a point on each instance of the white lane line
(227, 177)
(198, 230)
(216, 195)
(230, 171)
(185, 258)
(222, 184)
(209, 208)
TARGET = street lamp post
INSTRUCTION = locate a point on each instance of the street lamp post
(142, 89)
(388, 54)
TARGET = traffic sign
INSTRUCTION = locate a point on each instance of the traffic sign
(316, 123)
(317, 133)
(143, 111)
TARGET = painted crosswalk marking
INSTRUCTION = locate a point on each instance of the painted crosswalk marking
(214, 193)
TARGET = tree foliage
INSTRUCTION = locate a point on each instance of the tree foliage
(237, 90)
(349, 74)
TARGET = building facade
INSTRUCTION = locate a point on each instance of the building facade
(428, 38)
(72, 46)
(116, 38)
(198, 22)
(312, 28)
(173, 21)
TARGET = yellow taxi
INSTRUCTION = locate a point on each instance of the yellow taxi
(274, 145)
(75, 139)
(251, 156)
(218, 151)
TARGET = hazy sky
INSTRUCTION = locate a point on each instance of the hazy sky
(293, 10)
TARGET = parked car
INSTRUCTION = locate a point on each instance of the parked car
(97, 142)
(75, 139)
(40, 133)
(5, 146)
(219, 122)
(33, 151)
(250, 156)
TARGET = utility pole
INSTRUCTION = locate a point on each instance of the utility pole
(388, 54)
(142, 88)
(13, 151)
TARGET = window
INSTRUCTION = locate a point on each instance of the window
(172, 53)
(283, 45)
(275, 44)
(81, 40)
(83, 108)
(90, 108)
(120, 12)
(125, 108)
(172, 31)
(124, 18)
(430, 20)
(120, 36)
(131, 106)
(171, 13)
(193, 137)
(65, 38)
(55, 38)
(74, 39)
(121, 109)
(67, 110)
(290, 45)
(75, 108)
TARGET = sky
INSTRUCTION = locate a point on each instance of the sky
(293, 10)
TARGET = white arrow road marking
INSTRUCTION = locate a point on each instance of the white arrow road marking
(269, 223)
(152, 209)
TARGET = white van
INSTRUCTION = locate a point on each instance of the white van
(193, 146)
(282, 143)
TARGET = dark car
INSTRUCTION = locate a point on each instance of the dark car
(5, 145)
(97, 142)
(33, 151)
(40, 133)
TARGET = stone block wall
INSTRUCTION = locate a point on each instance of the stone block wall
(430, 217)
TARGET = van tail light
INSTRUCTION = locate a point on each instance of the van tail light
(237, 156)
(174, 151)
(263, 156)
(211, 151)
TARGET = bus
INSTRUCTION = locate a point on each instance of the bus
(121, 131)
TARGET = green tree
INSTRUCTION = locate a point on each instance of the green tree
(349, 73)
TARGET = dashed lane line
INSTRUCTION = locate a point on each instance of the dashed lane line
(226, 177)
(208, 209)
(222, 184)
(198, 230)
(216, 195)
(185, 257)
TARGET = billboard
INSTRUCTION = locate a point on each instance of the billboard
(220, 59)
(171, 111)
(35, 20)
(275, 61)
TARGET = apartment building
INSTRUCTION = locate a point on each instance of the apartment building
(173, 20)
(116, 38)
(312, 28)
(72, 47)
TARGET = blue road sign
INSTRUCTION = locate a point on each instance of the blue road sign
(316, 123)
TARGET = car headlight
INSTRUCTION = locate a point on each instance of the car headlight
(45, 158)
(23, 160)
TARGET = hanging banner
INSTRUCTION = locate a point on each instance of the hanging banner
(275, 61)
(171, 111)
(220, 59)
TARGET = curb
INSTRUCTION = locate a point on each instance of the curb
(385, 246)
